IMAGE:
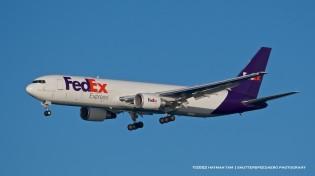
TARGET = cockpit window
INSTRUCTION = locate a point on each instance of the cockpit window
(39, 81)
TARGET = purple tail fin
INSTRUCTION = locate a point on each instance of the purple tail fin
(249, 89)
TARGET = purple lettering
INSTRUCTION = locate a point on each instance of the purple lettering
(85, 86)
(89, 85)
(76, 85)
(68, 82)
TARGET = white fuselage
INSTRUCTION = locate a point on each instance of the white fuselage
(105, 93)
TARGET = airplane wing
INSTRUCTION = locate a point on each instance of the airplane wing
(263, 100)
(200, 90)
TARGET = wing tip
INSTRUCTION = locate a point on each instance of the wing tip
(294, 92)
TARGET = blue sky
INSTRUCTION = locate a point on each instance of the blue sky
(177, 42)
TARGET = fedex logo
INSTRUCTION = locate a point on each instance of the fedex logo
(89, 85)
(256, 78)
(152, 100)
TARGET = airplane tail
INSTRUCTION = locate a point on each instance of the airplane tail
(249, 89)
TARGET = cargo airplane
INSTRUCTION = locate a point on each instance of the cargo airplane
(102, 99)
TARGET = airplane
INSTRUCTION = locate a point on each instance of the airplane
(102, 99)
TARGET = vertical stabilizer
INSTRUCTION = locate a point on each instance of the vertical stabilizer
(250, 88)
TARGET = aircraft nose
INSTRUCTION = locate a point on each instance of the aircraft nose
(29, 89)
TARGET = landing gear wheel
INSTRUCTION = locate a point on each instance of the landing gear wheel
(131, 127)
(47, 113)
(172, 118)
(161, 120)
(135, 126)
(139, 124)
(166, 119)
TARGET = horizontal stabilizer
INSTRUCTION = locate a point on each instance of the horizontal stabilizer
(263, 100)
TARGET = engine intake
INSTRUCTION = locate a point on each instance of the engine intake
(96, 114)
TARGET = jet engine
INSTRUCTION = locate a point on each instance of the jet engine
(148, 101)
(96, 114)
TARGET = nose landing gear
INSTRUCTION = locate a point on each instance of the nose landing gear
(47, 112)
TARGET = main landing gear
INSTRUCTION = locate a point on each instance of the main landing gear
(167, 119)
(135, 125)
(47, 112)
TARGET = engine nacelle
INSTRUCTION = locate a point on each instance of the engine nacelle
(96, 114)
(148, 101)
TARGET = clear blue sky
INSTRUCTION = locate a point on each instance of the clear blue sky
(178, 42)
